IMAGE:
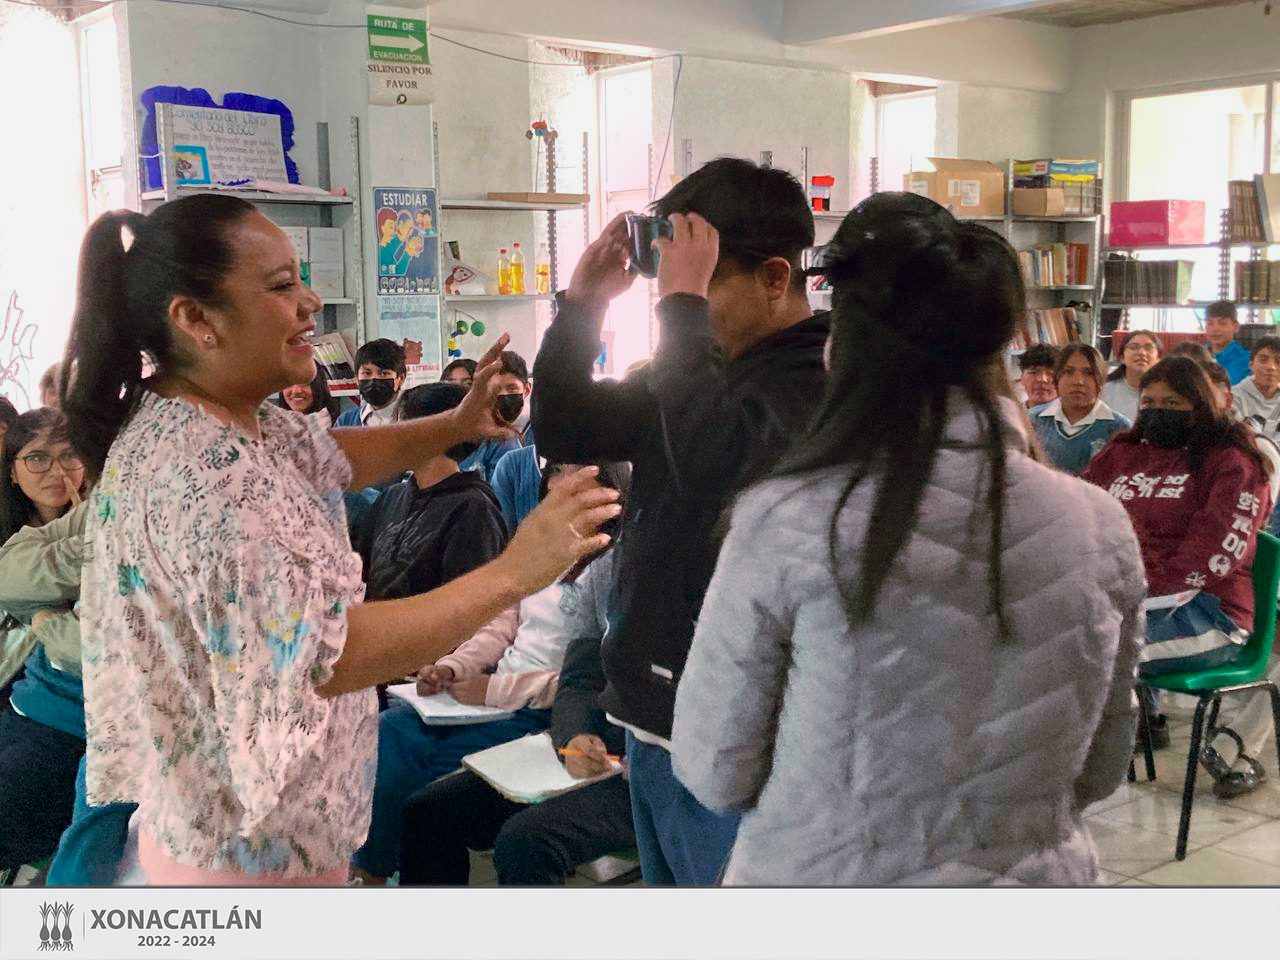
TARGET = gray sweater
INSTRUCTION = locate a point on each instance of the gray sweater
(917, 749)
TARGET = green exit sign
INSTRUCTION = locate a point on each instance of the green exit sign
(397, 39)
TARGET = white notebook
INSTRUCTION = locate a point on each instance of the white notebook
(1168, 601)
(528, 770)
(440, 709)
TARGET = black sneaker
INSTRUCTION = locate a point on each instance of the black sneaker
(1159, 728)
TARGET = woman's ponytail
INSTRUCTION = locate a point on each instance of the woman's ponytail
(103, 363)
(123, 295)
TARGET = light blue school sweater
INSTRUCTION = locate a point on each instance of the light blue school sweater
(1072, 454)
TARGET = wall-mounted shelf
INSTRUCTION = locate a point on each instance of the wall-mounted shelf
(254, 196)
(1082, 287)
(1198, 305)
(1080, 219)
(830, 214)
(337, 301)
(1174, 248)
(509, 206)
(497, 298)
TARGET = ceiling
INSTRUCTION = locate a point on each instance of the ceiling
(1087, 13)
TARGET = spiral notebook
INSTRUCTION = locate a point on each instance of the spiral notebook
(528, 770)
(442, 710)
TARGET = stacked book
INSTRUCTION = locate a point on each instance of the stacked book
(1244, 214)
(1058, 326)
(1055, 265)
(1128, 281)
(1258, 281)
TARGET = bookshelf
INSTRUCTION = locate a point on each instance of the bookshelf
(1074, 286)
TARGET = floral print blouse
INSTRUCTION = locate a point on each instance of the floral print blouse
(213, 605)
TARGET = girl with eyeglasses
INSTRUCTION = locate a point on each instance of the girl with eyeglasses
(42, 725)
(1141, 352)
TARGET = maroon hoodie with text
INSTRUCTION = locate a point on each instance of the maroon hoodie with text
(1196, 530)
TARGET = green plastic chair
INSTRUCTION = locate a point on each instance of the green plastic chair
(1247, 673)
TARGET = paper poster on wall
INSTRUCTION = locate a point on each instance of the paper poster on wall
(221, 146)
(399, 65)
(413, 322)
(408, 241)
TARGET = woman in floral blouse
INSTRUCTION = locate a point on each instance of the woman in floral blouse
(228, 659)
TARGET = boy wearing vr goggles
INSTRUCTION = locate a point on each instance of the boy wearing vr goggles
(737, 373)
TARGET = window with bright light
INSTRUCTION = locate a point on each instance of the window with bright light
(101, 113)
(626, 124)
(1188, 146)
(905, 135)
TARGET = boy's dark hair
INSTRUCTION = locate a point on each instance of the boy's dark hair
(1217, 373)
(760, 212)
(8, 412)
(1196, 351)
(1271, 343)
(1221, 308)
(1036, 356)
(514, 364)
(428, 399)
(382, 353)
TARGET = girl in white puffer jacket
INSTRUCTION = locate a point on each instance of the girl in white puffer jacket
(916, 661)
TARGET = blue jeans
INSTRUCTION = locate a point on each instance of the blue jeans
(91, 849)
(681, 842)
(412, 755)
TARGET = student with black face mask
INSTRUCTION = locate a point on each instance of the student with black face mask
(380, 372)
(513, 390)
(1196, 487)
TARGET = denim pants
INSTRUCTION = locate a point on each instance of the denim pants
(91, 849)
(681, 842)
(411, 755)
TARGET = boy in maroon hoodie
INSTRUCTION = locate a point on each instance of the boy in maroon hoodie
(1195, 486)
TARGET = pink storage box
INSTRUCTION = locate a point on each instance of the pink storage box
(1140, 223)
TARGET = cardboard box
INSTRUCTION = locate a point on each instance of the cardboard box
(328, 280)
(968, 188)
(1141, 223)
(298, 237)
(1040, 202)
(326, 244)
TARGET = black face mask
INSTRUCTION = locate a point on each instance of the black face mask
(1165, 428)
(378, 392)
(510, 405)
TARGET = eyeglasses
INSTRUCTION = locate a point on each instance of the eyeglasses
(1142, 347)
(41, 462)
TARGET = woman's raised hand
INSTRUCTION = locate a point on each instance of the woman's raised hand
(477, 417)
(561, 531)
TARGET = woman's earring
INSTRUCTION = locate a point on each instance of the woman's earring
(208, 338)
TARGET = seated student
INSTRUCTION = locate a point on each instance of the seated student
(533, 844)
(516, 481)
(1141, 352)
(512, 663)
(460, 371)
(311, 399)
(42, 737)
(380, 372)
(1220, 327)
(1035, 368)
(1257, 397)
(1195, 486)
(434, 526)
(1073, 428)
(513, 390)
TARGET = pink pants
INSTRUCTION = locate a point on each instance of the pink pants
(162, 870)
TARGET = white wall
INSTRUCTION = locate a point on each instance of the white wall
(1000, 124)
(42, 213)
(737, 109)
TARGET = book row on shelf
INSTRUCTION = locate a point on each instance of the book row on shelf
(1055, 264)
(1137, 282)
(1258, 282)
(1057, 326)
(1244, 213)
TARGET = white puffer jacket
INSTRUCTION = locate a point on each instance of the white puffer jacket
(917, 749)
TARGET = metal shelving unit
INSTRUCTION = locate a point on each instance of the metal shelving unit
(339, 314)
(485, 205)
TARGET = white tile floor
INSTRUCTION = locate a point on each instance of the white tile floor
(1235, 843)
